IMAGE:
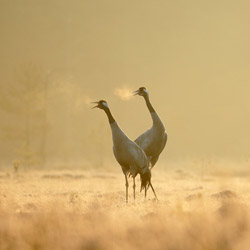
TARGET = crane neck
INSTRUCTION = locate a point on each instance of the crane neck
(157, 123)
(109, 115)
(149, 105)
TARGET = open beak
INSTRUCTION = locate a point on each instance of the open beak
(95, 106)
(136, 92)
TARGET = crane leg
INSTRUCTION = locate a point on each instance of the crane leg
(134, 186)
(146, 189)
(153, 190)
(126, 184)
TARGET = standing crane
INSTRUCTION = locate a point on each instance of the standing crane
(153, 140)
(129, 155)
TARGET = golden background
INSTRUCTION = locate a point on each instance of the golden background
(192, 56)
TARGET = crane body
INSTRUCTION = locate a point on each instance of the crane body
(128, 154)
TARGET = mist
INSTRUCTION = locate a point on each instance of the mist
(193, 58)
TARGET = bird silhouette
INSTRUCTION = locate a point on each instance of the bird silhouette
(129, 155)
(153, 140)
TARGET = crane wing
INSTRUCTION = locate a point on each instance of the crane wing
(140, 160)
(131, 156)
(155, 158)
(144, 139)
(165, 137)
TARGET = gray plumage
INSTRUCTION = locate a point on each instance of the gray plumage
(129, 155)
(153, 140)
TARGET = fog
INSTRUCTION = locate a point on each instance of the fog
(57, 56)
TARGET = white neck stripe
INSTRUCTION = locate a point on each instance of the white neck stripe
(105, 104)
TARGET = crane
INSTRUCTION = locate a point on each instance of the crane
(153, 140)
(129, 155)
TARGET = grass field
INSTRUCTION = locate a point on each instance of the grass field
(86, 209)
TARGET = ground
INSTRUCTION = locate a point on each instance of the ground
(86, 209)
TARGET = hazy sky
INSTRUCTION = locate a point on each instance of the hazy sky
(193, 57)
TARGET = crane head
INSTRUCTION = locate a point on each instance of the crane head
(142, 91)
(101, 104)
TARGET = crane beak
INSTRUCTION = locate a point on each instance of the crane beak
(136, 92)
(96, 105)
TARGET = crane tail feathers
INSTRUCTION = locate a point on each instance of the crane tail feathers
(145, 179)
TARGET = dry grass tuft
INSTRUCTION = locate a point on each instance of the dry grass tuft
(82, 210)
